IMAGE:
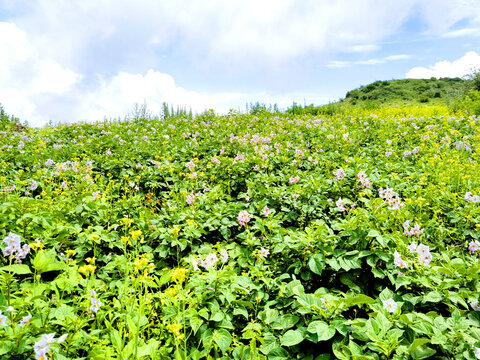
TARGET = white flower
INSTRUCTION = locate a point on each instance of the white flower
(475, 306)
(224, 255)
(477, 353)
(361, 176)
(426, 258)
(398, 262)
(3, 319)
(62, 338)
(212, 258)
(95, 303)
(340, 205)
(190, 199)
(423, 249)
(474, 246)
(42, 346)
(195, 265)
(25, 320)
(468, 196)
(412, 247)
(263, 253)
(390, 305)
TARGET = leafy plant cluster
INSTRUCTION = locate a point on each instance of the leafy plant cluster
(268, 236)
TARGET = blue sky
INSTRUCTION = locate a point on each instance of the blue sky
(87, 59)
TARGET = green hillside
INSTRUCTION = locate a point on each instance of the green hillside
(455, 93)
(416, 91)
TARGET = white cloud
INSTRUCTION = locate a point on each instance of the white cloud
(38, 89)
(25, 78)
(116, 97)
(340, 64)
(398, 57)
(458, 68)
(216, 32)
(235, 32)
(462, 32)
(63, 60)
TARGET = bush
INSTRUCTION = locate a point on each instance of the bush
(470, 103)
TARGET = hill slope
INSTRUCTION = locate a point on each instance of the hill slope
(392, 92)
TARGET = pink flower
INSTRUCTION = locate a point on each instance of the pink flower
(244, 217)
(339, 174)
(266, 211)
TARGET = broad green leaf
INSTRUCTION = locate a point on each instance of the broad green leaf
(46, 261)
(359, 299)
(291, 338)
(223, 339)
(433, 296)
(19, 269)
(422, 352)
(317, 263)
(322, 329)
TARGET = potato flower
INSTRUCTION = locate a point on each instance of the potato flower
(390, 305)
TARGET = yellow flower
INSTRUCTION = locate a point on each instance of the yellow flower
(175, 231)
(127, 221)
(94, 237)
(87, 269)
(171, 292)
(36, 245)
(136, 234)
(179, 275)
(175, 330)
(140, 263)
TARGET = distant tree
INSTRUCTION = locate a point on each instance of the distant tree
(474, 79)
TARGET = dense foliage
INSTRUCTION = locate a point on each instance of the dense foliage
(266, 236)
(8, 122)
(455, 93)
(411, 90)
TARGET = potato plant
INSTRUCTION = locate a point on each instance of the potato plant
(268, 236)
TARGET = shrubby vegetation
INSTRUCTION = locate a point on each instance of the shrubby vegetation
(8, 122)
(456, 93)
(268, 236)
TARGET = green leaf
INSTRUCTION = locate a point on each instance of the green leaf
(322, 329)
(223, 339)
(433, 296)
(375, 234)
(418, 342)
(359, 299)
(241, 311)
(47, 261)
(291, 338)
(132, 327)
(195, 323)
(317, 263)
(422, 352)
(19, 269)
(116, 339)
(217, 316)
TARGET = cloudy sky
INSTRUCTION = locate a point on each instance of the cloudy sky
(89, 59)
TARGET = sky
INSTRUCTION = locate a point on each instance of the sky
(87, 60)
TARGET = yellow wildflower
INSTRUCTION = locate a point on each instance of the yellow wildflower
(179, 275)
(175, 330)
